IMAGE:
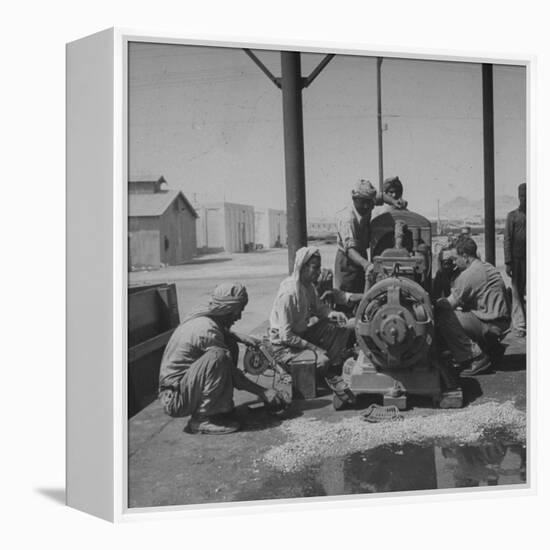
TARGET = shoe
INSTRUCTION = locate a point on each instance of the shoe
(480, 364)
(213, 425)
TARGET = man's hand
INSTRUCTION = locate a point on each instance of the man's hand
(338, 317)
(509, 270)
(274, 399)
(328, 297)
(401, 204)
(369, 268)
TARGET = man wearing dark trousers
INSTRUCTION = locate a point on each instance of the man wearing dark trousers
(472, 319)
(515, 258)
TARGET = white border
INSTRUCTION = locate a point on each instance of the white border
(120, 279)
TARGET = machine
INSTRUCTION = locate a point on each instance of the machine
(394, 322)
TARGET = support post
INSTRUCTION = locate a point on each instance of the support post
(379, 106)
(291, 83)
(489, 162)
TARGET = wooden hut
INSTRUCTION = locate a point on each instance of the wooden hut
(161, 225)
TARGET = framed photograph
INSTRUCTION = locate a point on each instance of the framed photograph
(295, 273)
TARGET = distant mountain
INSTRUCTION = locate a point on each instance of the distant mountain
(461, 208)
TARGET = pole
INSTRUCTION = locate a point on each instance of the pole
(291, 84)
(379, 103)
(489, 162)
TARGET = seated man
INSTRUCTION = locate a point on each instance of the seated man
(473, 318)
(199, 370)
(300, 323)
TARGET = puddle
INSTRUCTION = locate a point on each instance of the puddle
(408, 467)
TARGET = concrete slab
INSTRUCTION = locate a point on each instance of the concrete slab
(168, 466)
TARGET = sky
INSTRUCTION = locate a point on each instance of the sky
(210, 122)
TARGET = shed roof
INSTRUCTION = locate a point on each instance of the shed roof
(155, 204)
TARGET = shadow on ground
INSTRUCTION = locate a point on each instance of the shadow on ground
(57, 494)
(512, 363)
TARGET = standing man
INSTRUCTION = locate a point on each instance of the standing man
(353, 235)
(199, 370)
(472, 319)
(515, 254)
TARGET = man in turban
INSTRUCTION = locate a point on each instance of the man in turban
(199, 370)
(303, 328)
(353, 235)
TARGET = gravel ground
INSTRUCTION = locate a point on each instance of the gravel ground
(311, 440)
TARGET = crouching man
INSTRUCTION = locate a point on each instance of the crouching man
(301, 324)
(199, 367)
(472, 320)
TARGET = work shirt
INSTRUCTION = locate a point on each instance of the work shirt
(515, 236)
(353, 230)
(480, 290)
(189, 342)
(294, 308)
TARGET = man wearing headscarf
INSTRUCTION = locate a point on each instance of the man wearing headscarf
(199, 370)
(303, 328)
(353, 235)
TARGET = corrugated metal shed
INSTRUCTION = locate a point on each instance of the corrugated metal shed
(226, 226)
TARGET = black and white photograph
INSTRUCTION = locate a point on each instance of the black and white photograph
(327, 274)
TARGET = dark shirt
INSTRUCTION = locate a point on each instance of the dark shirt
(515, 233)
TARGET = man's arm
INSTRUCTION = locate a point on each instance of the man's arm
(398, 203)
(269, 396)
(340, 297)
(357, 259)
(350, 241)
(246, 339)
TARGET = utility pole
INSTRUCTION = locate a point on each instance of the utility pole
(379, 108)
(291, 83)
(488, 161)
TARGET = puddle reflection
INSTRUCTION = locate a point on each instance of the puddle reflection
(401, 468)
(412, 467)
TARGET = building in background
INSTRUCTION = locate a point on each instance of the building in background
(321, 228)
(270, 227)
(161, 225)
(225, 226)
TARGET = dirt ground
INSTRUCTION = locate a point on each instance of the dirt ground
(168, 466)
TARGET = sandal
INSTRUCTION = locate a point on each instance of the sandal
(379, 413)
(341, 390)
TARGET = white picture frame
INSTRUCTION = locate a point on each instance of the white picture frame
(97, 172)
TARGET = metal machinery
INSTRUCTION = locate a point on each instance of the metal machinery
(394, 322)
(259, 361)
